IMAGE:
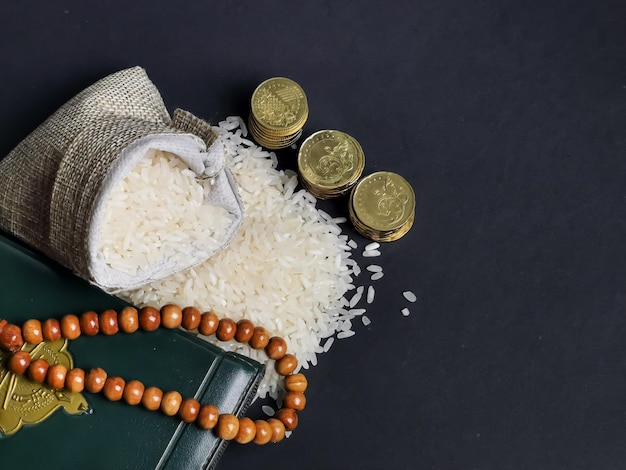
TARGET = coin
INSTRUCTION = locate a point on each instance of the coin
(382, 206)
(278, 111)
(330, 162)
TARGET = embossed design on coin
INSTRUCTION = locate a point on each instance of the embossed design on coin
(384, 201)
(330, 162)
(278, 103)
(25, 402)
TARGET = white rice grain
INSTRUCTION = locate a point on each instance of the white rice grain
(410, 296)
(371, 253)
(405, 311)
(370, 294)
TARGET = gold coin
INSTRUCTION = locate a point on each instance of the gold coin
(331, 160)
(383, 202)
(279, 104)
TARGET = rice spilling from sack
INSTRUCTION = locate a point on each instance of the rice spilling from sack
(287, 269)
(155, 210)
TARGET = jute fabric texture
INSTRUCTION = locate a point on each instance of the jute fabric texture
(54, 184)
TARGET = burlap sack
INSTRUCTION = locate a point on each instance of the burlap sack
(54, 184)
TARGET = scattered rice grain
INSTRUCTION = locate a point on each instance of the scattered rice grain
(405, 311)
(370, 294)
(410, 296)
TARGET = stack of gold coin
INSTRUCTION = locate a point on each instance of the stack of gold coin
(382, 206)
(279, 110)
(330, 163)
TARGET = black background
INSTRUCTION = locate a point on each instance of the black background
(509, 120)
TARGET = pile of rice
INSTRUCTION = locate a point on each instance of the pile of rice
(288, 268)
(154, 211)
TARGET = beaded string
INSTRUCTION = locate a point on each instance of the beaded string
(226, 426)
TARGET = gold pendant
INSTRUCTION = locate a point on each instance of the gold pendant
(25, 402)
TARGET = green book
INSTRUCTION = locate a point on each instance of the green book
(115, 435)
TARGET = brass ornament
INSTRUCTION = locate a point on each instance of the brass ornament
(23, 402)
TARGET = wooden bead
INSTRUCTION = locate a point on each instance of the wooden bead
(191, 318)
(149, 318)
(128, 320)
(226, 329)
(94, 382)
(10, 336)
(37, 370)
(278, 430)
(189, 410)
(19, 362)
(170, 404)
(295, 400)
(286, 365)
(32, 331)
(133, 392)
(89, 323)
(260, 338)
(75, 380)
(70, 327)
(245, 330)
(207, 418)
(108, 322)
(247, 431)
(288, 417)
(56, 376)
(276, 348)
(152, 398)
(263, 432)
(171, 316)
(296, 383)
(114, 388)
(227, 427)
(208, 323)
(51, 329)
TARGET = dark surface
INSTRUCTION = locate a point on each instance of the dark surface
(509, 120)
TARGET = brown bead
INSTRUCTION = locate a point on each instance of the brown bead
(19, 362)
(276, 348)
(286, 365)
(94, 382)
(247, 431)
(288, 417)
(189, 410)
(10, 336)
(114, 388)
(56, 376)
(191, 318)
(37, 370)
(128, 320)
(133, 392)
(171, 316)
(226, 329)
(227, 427)
(295, 400)
(89, 323)
(207, 418)
(296, 383)
(70, 327)
(260, 338)
(278, 429)
(51, 329)
(208, 323)
(263, 432)
(75, 380)
(149, 318)
(108, 322)
(245, 330)
(32, 331)
(171, 403)
(152, 398)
